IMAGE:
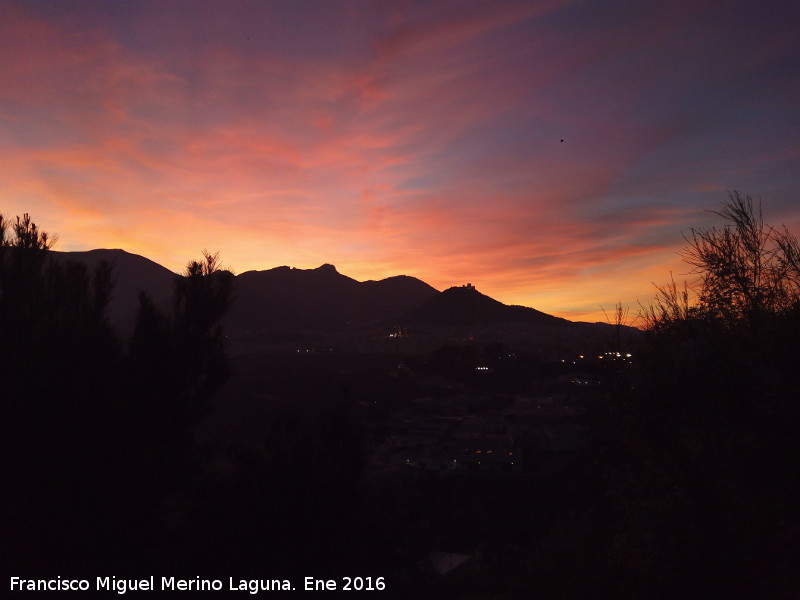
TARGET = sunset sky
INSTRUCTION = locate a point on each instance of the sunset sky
(403, 137)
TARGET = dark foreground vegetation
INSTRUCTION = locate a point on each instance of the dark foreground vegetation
(687, 486)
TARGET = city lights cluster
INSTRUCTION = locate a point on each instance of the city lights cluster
(610, 355)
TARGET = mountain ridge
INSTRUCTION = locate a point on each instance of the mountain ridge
(288, 300)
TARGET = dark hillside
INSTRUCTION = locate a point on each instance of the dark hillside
(132, 274)
(467, 306)
(289, 299)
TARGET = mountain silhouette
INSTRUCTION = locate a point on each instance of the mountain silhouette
(465, 305)
(132, 274)
(287, 300)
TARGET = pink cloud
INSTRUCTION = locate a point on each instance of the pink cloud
(402, 138)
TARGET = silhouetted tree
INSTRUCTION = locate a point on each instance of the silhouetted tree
(715, 400)
(201, 298)
(59, 367)
(747, 268)
(179, 362)
(94, 434)
(174, 364)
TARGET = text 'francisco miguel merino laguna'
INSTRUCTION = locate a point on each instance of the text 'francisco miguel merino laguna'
(252, 586)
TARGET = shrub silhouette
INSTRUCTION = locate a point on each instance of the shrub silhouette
(96, 431)
(104, 471)
(714, 407)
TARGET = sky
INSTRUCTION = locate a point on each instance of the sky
(403, 137)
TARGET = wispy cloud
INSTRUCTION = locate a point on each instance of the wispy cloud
(401, 137)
